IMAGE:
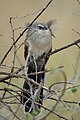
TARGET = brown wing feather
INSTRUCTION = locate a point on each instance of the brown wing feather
(26, 46)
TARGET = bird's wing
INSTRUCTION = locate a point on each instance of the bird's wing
(26, 48)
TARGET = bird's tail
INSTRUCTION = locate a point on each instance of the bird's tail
(32, 95)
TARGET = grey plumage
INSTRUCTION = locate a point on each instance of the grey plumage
(39, 40)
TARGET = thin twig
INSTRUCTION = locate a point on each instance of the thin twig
(12, 68)
(9, 108)
(76, 31)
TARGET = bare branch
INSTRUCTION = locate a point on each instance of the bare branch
(66, 46)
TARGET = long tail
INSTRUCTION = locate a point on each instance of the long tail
(27, 93)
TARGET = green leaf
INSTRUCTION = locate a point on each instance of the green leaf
(74, 90)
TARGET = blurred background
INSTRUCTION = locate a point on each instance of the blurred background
(66, 14)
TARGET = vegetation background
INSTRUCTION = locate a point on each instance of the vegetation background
(66, 29)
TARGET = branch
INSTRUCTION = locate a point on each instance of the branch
(55, 113)
(66, 46)
(9, 108)
(76, 31)
(78, 2)
(25, 31)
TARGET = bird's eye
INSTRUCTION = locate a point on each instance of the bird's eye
(40, 27)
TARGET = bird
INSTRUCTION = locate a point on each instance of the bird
(37, 46)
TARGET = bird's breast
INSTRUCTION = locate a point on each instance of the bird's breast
(41, 46)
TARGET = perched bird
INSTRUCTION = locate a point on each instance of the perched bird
(38, 44)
